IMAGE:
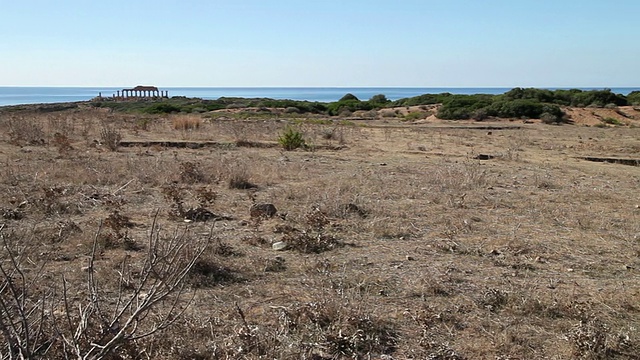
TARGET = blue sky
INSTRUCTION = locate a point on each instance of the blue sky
(425, 43)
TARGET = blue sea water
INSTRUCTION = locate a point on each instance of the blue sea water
(41, 95)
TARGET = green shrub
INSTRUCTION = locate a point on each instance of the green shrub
(612, 121)
(349, 96)
(426, 99)
(416, 115)
(517, 108)
(162, 108)
(460, 107)
(379, 100)
(541, 95)
(480, 114)
(336, 108)
(291, 139)
(634, 98)
(548, 118)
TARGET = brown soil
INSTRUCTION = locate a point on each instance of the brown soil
(400, 243)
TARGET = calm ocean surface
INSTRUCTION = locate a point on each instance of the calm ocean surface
(40, 95)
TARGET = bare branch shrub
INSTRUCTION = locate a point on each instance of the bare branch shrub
(23, 324)
(38, 320)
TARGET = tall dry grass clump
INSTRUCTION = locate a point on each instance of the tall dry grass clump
(185, 123)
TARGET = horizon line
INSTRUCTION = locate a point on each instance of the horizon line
(329, 87)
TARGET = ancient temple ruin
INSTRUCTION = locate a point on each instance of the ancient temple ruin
(141, 92)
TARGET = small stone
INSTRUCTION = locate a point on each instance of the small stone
(279, 246)
(410, 258)
(570, 270)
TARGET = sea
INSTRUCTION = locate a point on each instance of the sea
(42, 95)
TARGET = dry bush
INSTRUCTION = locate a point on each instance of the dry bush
(41, 319)
(62, 143)
(118, 237)
(190, 173)
(240, 178)
(453, 177)
(62, 124)
(110, 137)
(206, 272)
(186, 123)
(310, 243)
(239, 131)
(325, 329)
(57, 200)
(26, 130)
(388, 113)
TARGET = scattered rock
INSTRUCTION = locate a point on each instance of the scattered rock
(410, 258)
(279, 246)
(202, 214)
(263, 210)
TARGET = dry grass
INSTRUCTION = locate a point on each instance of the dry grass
(399, 245)
(186, 123)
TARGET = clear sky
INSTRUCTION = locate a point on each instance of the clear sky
(425, 43)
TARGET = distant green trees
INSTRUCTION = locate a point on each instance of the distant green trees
(351, 103)
(519, 103)
(572, 97)
(516, 103)
(478, 107)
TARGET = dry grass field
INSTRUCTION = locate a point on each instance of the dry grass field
(131, 236)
